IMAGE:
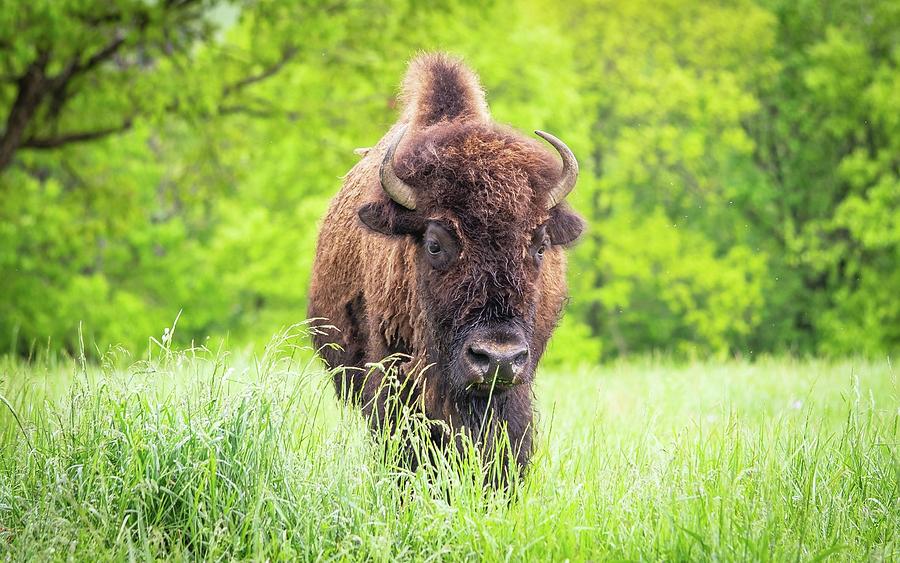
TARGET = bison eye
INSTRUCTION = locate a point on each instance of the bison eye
(440, 247)
(539, 244)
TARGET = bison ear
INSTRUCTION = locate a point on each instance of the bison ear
(388, 218)
(564, 225)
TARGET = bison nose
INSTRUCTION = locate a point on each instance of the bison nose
(507, 361)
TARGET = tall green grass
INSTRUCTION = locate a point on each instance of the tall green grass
(201, 455)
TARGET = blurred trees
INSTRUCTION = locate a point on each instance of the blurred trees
(740, 161)
(670, 262)
(828, 140)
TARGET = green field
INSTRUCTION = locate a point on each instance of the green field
(207, 455)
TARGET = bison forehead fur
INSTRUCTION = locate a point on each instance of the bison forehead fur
(486, 187)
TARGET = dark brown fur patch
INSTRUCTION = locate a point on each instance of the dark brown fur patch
(439, 87)
(480, 171)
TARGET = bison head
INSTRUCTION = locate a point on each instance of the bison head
(484, 206)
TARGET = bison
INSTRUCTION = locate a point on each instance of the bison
(446, 245)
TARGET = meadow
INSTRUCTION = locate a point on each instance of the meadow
(199, 454)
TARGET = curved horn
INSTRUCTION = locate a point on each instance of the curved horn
(569, 172)
(394, 187)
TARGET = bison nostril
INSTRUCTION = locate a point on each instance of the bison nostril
(479, 358)
(520, 359)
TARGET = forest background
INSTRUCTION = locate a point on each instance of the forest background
(741, 163)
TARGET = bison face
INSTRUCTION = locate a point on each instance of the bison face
(488, 260)
(481, 283)
(480, 291)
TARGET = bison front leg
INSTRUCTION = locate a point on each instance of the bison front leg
(344, 348)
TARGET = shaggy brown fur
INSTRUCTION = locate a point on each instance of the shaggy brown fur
(486, 186)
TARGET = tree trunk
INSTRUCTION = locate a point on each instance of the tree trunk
(32, 87)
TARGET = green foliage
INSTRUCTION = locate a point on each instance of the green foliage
(740, 170)
(196, 455)
(695, 298)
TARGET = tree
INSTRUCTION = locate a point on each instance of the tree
(670, 263)
(59, 55)
(828, 140)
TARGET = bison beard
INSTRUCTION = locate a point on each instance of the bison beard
(446, 244)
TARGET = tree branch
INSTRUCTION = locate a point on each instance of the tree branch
(36, 88)
(286, 55)
(78, 137)
(76, 67)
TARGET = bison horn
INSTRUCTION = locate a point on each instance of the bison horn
(394, 187)
(569, 172)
